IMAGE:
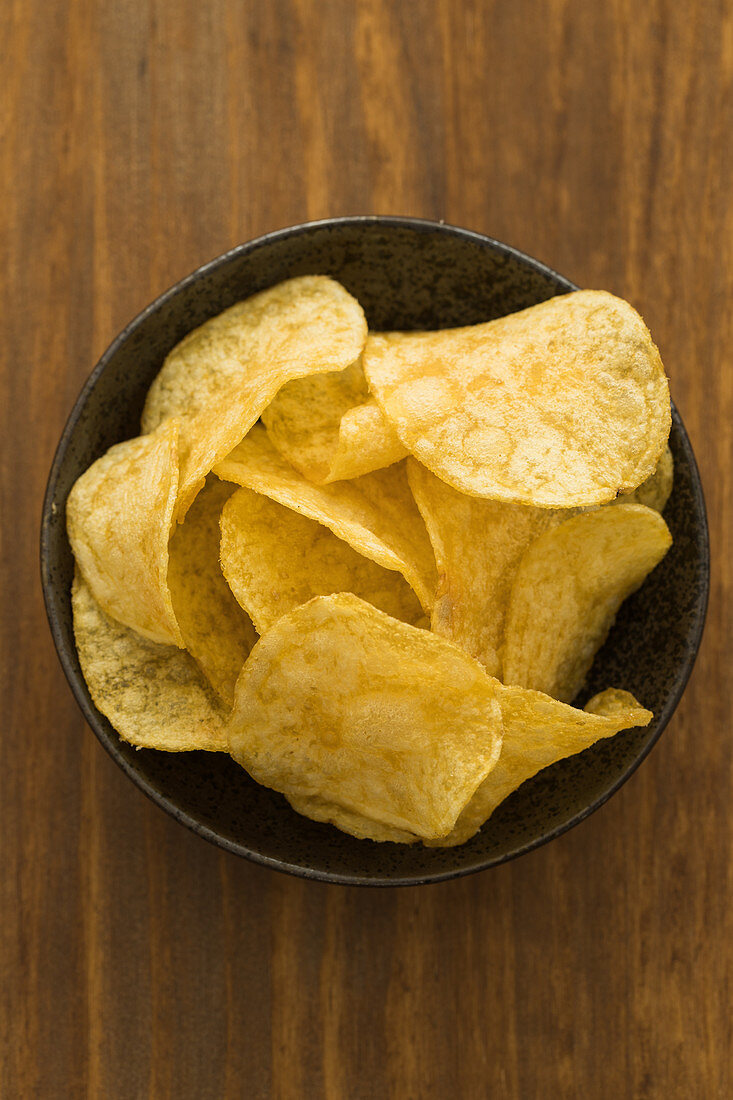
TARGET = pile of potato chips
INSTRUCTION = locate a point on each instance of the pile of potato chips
(431, 533)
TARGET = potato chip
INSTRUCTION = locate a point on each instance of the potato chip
(562, 404)
(356, 824)
(341, 703)
(569, 586)
(118, 516)
(216, 631)
(657, 489)
(276, 559)
(154, 695)
(221, 376)
(539, 731)
(376, 513)
(330, 428)
(478, 546)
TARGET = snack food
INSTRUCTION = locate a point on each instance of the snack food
(478, 546)
(414, 531)
(119, 517)
(216, 631)
(340, 702)
(154, 695)
(539, 731)
(222, 375)
(275, 559)
(655, 491)
(564, 404)
(330, 427)
(376, 513)
(567, 591)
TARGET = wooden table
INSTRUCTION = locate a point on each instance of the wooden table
(138, 140)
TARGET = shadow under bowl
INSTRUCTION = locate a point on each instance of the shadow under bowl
(407, 274)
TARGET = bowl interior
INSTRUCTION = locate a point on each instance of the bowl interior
(407, 275)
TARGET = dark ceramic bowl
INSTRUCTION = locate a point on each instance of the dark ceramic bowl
(407, 274)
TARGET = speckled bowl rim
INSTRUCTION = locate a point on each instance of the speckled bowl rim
(112, 744)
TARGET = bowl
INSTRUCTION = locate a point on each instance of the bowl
(407, 274)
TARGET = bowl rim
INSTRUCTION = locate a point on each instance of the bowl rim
(113, 746)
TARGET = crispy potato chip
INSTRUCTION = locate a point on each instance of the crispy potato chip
(356, 824)
(154, 695)
(376, 513)
(217, 632)
(223, 374)
(276, 559)
(340, 703)
(330, 428)
(657, 489)
(478, 546)
(539, 731)
(562, 404)
(118, 517)
(567, 591)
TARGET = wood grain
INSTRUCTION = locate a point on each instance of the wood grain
(138, 139)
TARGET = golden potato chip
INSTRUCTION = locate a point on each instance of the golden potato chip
(276, 559)
(340, 703)
(330, 428)
(356, 824)
(562, 404)
(216, 631)
(539, 731)
(221, 376)
(657, 489)
(478, 546)
(154, 695)
(376, 513)
(118, 517)
(569, 586)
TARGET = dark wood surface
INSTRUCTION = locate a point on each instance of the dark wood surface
(139, 139)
